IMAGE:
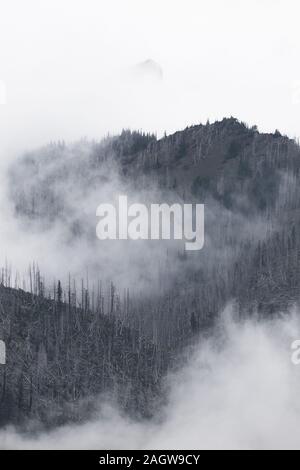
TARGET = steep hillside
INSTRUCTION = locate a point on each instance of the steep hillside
(61, 357)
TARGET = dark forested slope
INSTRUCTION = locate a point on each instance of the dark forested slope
(60, 357)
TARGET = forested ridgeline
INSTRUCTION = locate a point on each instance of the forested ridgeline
(101, 337)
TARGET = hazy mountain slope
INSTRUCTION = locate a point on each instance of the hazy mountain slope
(249, 183)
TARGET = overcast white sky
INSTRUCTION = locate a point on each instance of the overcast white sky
(67, 66)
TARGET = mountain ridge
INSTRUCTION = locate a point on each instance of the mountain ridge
(249, 183)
